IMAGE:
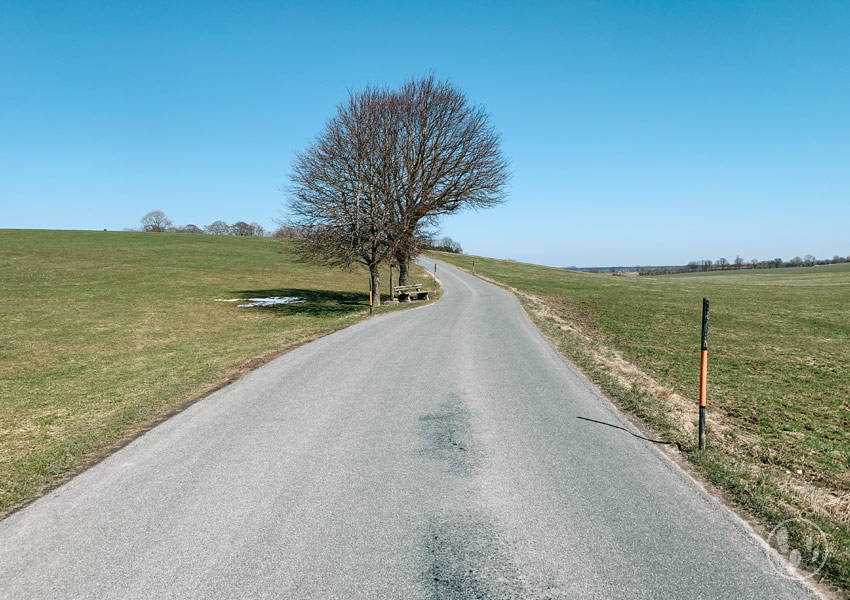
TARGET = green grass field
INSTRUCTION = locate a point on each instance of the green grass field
(104, 333)
(779, 374)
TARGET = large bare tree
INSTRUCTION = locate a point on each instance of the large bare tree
(448, 157)
(340, 187)
(387, 166)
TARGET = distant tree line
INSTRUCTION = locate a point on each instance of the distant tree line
(444, 244)
(721, 264)
(157, 221)
(288, 230)
(425, 240)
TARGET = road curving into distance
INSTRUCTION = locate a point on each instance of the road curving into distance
(443, 452)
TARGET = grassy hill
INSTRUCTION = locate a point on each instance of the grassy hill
(104, 333)
(779, 374)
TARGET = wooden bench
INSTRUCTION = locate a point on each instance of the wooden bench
(410, 292)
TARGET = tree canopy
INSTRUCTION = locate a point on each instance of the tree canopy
(387, 166)
(156, 220)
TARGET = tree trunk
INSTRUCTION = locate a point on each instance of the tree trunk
(376, 285)
(403, 259)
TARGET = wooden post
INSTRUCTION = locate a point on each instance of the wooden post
(703, 373)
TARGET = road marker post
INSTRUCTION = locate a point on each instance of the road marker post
(473, 267)
(435, 276)
(370, 293)
(703, 373)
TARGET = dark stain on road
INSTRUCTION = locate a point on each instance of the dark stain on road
(469, 560)
(449, 438)
(467, 557)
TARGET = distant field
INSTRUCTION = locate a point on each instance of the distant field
(103, 333)
(793, 271)
(779, 373)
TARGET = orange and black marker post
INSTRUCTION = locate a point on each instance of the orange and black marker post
(703, 373)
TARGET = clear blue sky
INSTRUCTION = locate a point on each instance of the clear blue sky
(639, 132)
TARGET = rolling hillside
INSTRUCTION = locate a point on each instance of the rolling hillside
(105, 333)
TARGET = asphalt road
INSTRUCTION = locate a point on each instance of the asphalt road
(443, 452)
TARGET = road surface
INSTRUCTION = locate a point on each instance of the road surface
(442, 452)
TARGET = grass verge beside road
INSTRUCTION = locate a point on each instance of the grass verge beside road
(779, 375)
(104, 333)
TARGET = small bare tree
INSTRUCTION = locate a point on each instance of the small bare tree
(241, 228)
(156, 220)
(217, 228)
(287, 230)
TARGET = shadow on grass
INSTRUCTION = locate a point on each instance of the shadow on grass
(640, 437)
(316, 303)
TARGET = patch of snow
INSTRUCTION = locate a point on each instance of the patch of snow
(271, 301)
